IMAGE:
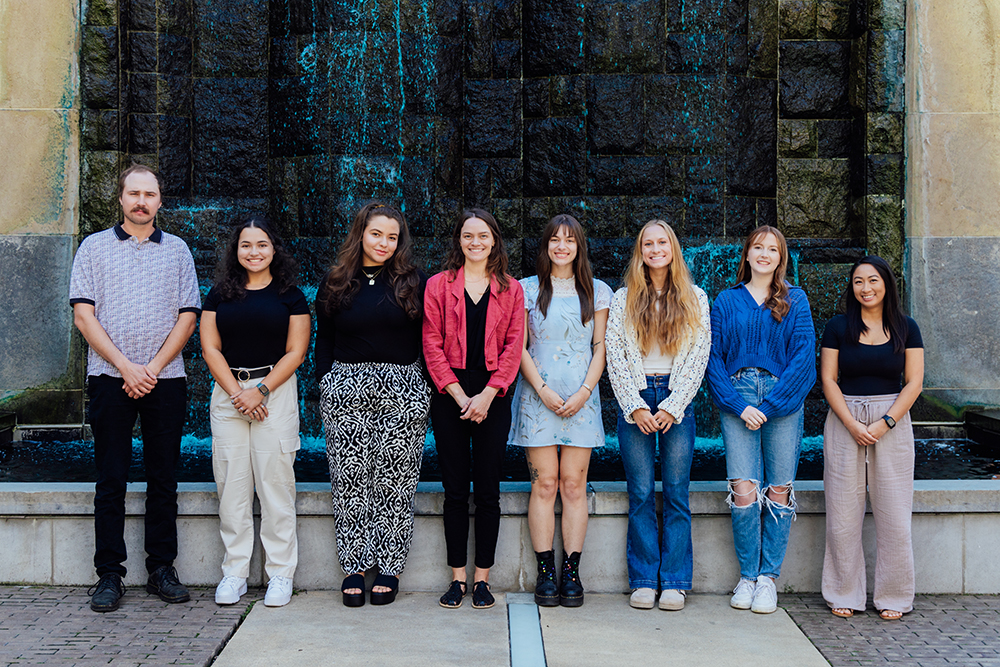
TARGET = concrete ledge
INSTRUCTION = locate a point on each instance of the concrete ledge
(47, 533)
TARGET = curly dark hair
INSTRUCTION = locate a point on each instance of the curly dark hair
(341, 283)
(496, 263)
(231, 278)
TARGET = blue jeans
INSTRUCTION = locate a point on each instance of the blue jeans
(768, 457)
(656, 561)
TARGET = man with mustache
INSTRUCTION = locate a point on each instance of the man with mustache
(135, 299)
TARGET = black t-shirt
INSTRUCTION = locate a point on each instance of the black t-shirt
(475, 331)
(254, 329)
(868, 370)
(373, 329)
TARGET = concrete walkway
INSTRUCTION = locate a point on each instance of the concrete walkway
(42, 625)
(317, 629)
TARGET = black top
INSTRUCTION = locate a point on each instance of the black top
(868, 370)
(254, 329)
(373, 329)
(475, 331)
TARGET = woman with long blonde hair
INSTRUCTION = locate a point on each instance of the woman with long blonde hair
(658, 343)
(763, 364)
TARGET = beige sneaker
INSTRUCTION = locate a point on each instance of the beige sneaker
(643, 598)
(672, 599)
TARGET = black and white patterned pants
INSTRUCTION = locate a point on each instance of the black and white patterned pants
(375, 418)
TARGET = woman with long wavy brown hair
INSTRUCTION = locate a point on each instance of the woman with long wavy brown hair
(473, 334)
(658, 341)
(373, 397)
(763, 363)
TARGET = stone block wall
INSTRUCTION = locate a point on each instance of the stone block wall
(716, 115)
(40, 359)
(952, 218)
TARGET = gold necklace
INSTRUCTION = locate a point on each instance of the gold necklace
(372, 276)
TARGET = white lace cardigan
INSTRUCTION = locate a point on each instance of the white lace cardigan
(625, 361)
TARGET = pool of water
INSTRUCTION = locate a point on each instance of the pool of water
(29, 461)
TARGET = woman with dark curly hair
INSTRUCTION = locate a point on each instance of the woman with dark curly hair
(373, 397)
(473, 337)
(254, 335)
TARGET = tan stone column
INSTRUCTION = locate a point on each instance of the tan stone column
(39, 189)
(953, 196)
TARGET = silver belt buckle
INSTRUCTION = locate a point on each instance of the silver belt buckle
(241, 373)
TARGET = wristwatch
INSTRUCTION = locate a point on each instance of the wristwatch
(890, 421)
(262, 388)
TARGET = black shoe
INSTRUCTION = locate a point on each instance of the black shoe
(481, 596)
(546, 589)
(570, 586)
(389, 582)
(354, 599)
(163, 582)
(452, 599)
(107, 593)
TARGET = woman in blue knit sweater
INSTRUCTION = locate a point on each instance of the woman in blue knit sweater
(762, 365)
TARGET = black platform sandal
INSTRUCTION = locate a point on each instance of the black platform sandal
(481, 596)
(353, 599)
(389, 582)
(452, 599)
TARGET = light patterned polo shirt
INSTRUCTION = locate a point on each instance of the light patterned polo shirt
(137, 288)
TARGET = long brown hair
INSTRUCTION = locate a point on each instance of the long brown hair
(678, 315)
(582, 272)
(777, 300)
(401, 272)
(496, 263)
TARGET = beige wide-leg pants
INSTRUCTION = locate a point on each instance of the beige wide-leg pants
(248, 454)
(886, 468)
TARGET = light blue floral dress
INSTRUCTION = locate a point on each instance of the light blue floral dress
(560, 345)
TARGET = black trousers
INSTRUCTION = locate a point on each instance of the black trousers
(488, 439)
(112, 417)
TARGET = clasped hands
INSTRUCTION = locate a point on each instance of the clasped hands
(564, 408)
(250, 402)
(649, 423)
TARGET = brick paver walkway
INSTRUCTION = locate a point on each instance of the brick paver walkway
(941, 630)
(42, 625)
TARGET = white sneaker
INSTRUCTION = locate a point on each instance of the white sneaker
(765, 598)
(743, 594)
(643, 598)
(279, 592)
(230, 589)
(672, 599)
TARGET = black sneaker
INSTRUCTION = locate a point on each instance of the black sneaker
(107, 593)
(163, 582)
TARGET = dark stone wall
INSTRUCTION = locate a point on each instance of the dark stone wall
(716, 115)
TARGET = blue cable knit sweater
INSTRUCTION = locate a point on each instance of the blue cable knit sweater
(745, 335)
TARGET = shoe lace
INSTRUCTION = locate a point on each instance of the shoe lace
(106, 581)
(230, 580)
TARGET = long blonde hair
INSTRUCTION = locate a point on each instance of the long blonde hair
(678, 315)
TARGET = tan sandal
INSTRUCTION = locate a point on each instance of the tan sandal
(890, 615)
(842, 612)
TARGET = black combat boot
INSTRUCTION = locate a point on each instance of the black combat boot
(546, 590)
(570, 586)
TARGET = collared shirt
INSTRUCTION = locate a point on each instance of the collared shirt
(138, 289)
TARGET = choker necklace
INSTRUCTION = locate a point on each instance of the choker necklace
(372, 276)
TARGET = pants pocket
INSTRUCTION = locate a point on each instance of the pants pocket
(289, 445)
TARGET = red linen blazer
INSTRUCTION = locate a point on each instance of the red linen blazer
(444, 330)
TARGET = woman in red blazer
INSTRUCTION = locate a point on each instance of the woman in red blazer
(473, 332)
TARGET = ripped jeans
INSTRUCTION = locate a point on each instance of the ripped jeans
(768, 457)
